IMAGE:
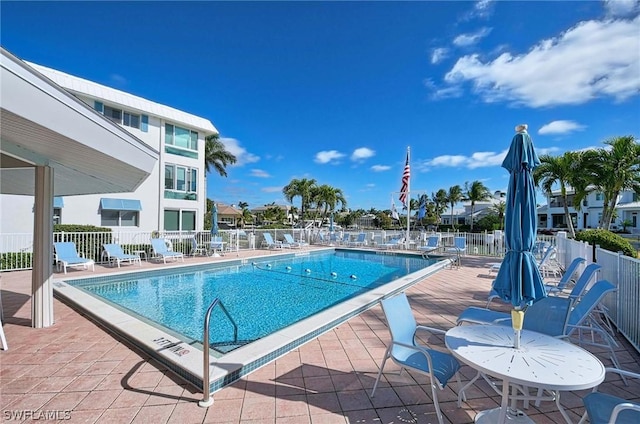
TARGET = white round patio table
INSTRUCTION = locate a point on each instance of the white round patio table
(542, 361)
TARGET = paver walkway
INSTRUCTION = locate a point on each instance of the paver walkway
(78, 372)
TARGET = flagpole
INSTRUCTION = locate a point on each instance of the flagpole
(406, 240)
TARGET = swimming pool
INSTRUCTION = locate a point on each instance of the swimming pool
(278, 303)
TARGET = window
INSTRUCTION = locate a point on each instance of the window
(57, 216)
(180, 137)
(598, 196)
(122, 117)
(180, 182)
(176, 220)
(113, 218)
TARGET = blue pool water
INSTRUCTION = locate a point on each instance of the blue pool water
(262, 297)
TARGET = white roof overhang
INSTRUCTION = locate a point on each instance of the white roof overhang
(43, 124)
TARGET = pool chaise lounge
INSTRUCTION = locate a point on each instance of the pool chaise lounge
(160, 251)
(66, 255)
(115, 254)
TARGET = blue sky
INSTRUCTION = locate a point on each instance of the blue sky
(336, 91)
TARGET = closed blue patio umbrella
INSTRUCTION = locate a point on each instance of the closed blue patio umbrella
(519, 280)
(331, 223)
(214, 220)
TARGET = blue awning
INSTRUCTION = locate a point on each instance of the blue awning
(58, 202)
(120, 204)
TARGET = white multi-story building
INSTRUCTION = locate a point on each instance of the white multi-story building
(589, 214)
(172, 198)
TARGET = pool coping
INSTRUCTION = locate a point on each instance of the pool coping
(186, 358)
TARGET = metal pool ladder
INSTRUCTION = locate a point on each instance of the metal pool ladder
(207, 400)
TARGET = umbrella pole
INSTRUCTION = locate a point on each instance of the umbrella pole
(517, 318)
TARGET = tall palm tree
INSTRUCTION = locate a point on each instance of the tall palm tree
(558, 170)
(216, 156)
(454, 196)
(613, 170)
(300, 188)
(500, 208)
(475, 192)
(440, 204)
(326, 198)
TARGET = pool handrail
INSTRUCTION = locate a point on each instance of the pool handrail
(207, 400)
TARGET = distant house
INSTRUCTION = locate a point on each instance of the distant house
(228, 216)
(589, 213)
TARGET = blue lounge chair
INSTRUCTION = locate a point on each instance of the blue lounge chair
(215, 245)
(288, 238)
(605, 408)
(566, 278)
(160, 250)
(268, 240)
(438, 365)
(67, 256)
(115, 254)
(433, 245)
(359, 241)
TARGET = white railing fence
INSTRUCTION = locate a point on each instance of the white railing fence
(624, 272)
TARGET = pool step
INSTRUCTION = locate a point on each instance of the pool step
(226, 347)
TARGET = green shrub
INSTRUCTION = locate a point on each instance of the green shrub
(607, 240)
(15, 260)
(91, 248)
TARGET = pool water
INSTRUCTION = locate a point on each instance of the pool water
(261, 297)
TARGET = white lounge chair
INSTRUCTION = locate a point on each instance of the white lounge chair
(115, 254)
(160, 250)
(67, 256)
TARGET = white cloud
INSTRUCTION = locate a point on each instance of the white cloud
(380, 168)
(260, 173)
(618, 8)
(476, 160)
(438, 54)
(464, 40)
(560, 127)
(362, 153)
(271, 189)
(118, 80)
(439, 93)
(243, 157)
(327, 156)
(591, 60)
(481, 9)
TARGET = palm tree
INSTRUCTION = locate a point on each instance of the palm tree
(475, 192)
(440, 204)
(301, 188)
(454, 196)
(612, 171)
(326, 198)
(500, 208)
(558, 170)
(216, 156)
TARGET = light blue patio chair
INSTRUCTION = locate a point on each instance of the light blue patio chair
(566, 279)
(395, 243)
(359, 241)
(288, 238)
(66, 255)
(603, 408)
(562, 317)
(433, 245)
(271, 244)
(408, 354)
(115, 255)
(216, 244)
(458, 250)
(197, 248)
(160, 250)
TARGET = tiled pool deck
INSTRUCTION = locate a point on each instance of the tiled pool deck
(80, 371)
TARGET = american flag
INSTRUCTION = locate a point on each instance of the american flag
(405, 182)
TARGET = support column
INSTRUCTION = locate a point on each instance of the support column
(42, 274)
